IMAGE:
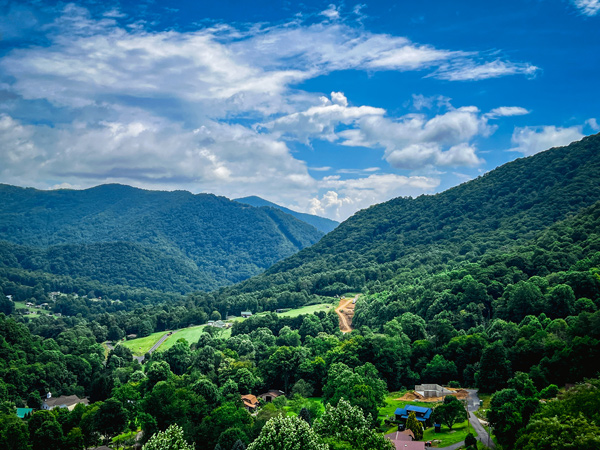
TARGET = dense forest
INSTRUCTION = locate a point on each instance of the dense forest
(494, 284)
(169, 241)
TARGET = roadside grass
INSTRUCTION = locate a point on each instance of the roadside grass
(140, 346)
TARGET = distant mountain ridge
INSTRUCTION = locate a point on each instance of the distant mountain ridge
(170, 241)
(320, 223)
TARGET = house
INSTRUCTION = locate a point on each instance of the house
(421, 414)
(23, 412)
(404, 440)
(271, 395)
(246, 314)
(64, 401)
(250, 402)
(131, 336)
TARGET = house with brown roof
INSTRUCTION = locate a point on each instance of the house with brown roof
(271, 395)
(250, 402)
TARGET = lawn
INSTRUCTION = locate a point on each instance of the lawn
(140, 346)
(448, 437)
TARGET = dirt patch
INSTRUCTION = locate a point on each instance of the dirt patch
(412, 396)
(345, 311)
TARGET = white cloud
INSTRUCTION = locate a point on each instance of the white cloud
(506, 111)
(414, 141)
(469, 70)
(226, 159)
(332, 12)
(593, 124)
(343, 197)
(320, 121)
(531, 140)
(588, 7)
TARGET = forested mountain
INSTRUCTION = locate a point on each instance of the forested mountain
(494, 284)
(170, 241)
(410, 237)
(320, 223)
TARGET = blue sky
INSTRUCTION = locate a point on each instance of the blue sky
(322, 107)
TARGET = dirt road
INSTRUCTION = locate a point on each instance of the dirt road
(345, 311)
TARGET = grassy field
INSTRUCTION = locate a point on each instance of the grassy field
(37, 313)
(307, 310)
(190, 334)
(140, 346)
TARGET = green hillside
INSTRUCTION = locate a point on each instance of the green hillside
(171, 241)
(409, 237)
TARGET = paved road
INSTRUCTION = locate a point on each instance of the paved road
(482, 435)
(155, 346)
(473, 405)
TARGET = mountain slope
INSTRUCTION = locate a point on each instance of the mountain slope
(505, 207)
(171, 240)
(320, 223)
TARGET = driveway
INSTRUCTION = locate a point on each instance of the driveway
(482, 435)
(140, 359)
(473, 405)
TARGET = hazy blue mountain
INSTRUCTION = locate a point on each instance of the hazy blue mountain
(320, 223)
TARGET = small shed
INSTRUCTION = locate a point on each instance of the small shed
(246, 314)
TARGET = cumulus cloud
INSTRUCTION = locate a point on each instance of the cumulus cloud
(320, 121)
(415, 141)
(215, 157)
(532, 140)
(588, 7)
(343, 197)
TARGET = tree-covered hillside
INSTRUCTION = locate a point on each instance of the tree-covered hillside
(171, 241)
(500, 209)
(320, 223)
